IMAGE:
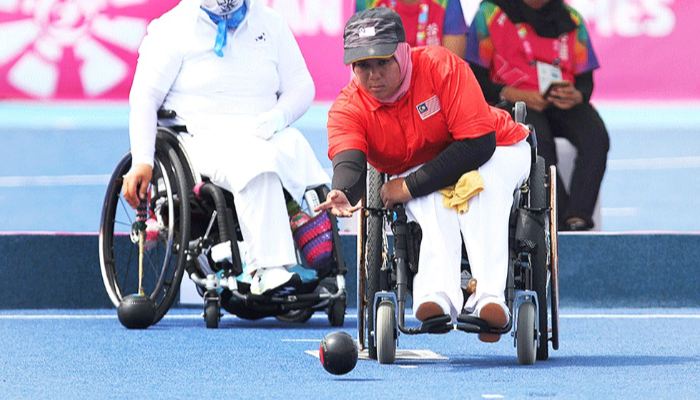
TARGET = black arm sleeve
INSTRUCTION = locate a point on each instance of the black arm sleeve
(492, 91)
(446, 169)
(584, 83)
(350, 174)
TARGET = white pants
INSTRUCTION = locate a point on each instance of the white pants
(255, 171)
(484, 229)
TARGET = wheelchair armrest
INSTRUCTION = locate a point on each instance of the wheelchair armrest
(166, 114)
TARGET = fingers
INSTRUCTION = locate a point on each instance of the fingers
(129, 190)
(536, 102)
(564, 102)
(326, 205)
(134, 190)
(337, 204)
(143, 191)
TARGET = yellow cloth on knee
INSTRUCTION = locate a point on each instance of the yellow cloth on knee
(457, 196)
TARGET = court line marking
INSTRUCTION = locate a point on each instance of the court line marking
(657, 163)
(351, 316)
(56, 180)
(631, 316)
(653, 163)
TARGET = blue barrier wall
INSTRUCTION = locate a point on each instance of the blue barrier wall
(608, 270)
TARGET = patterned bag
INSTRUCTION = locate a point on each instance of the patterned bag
(315, 241)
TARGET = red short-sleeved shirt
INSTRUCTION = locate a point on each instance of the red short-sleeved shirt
(443, 104)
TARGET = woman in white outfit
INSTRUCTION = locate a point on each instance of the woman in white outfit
(234, 74)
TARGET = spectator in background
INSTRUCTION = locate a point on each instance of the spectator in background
(428, 22)
(516, 49)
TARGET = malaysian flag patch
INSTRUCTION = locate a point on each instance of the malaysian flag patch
(428, 107)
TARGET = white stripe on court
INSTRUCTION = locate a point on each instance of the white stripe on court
(348, 316)
(631, 316)
(56, 316)
(619, 211)
(658, 163)
(57, 180)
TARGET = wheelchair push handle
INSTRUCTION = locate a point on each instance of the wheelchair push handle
(519, 112)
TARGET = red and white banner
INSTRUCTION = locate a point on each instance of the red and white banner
(87, 49)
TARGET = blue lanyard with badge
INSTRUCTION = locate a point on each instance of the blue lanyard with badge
(546, 73)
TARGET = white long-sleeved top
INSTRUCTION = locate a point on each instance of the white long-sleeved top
(262, 68)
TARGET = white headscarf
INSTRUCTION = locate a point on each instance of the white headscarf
(222, 7)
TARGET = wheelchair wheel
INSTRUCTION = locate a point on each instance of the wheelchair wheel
(538, 191)
(336, 312)
(296, 316)
(525, 334)
(554, 256)
(373, 253)
(386, 327)
(212, 314)
(538, 201)
(164, 263)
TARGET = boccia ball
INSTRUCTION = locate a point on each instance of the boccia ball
(136, 311)
(338, 353)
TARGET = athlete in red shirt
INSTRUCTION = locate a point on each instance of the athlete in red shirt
(420, 116)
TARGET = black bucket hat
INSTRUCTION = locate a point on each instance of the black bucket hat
(372, 33)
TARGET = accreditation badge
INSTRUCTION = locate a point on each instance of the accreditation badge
(546, 74)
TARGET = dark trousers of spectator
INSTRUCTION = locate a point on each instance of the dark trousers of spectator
(585, 130)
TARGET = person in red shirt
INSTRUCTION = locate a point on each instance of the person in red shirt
(517, 49)
(428, 22)
(419, 116)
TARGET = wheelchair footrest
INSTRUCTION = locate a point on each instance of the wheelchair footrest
(472, 324)
(439, 324)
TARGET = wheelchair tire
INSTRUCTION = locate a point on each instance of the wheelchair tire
(525, 334)
(336, 312)
(212, 314)
(373, 252)
(386, 332)
(538, 186)
(296, 316)
(539, 201)
(164, 264)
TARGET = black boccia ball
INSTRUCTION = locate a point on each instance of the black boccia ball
(338, 353)
(136, 311)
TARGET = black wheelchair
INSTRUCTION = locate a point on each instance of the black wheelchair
(186, 228)
(386, 270)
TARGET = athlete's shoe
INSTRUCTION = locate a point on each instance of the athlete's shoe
(496, 315)
(276, 280)
(428, 310)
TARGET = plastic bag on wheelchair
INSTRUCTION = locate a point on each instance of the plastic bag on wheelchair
(314, 240)
(528, 224)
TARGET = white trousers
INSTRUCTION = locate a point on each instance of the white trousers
(484, 229)
(255, 171)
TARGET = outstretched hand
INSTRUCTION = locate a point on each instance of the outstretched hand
(338, 204)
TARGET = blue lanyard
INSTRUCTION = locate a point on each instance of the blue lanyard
(223, 24)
